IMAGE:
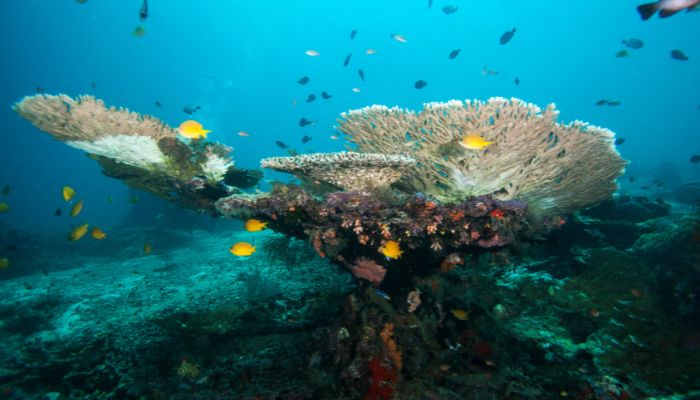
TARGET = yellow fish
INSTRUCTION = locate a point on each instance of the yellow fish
(193, 130)
(77, 208)
(147, 248)
(460, 314)
(391, 249)
(255, 225)
(68, 193)
(78, 232)
(4, 207)
(474, 141)
(4, 263)
(98, 234)
(242, 249)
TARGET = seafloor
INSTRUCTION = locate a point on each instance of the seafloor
(606, 307)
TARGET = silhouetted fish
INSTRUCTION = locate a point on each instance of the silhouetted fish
(93, 85)
(311, 98)
(420, 84)
(325, 95)
(450, 9)
(39, 89)
(633, 43)
(305, 122)
(306, 139)
(281, 144)
(143, 14)
(454, 53)
(58, 212)
(614, 103)
(507, 36)
(695, 158)
(517, 80)
(362, 74)
(601, 102)
(622, 54)
(347, 60)
(190, 109)
(678, 55)
(631, 179)
(353, 33)
(304, 80)
(666, 8)
(159, 104)
(430, 4)
(619, 141)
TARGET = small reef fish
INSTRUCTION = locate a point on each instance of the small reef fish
(243, 133)
(139, 32)
(143, 13)
(281, 144)
(369, 52)
(601, 102)
(81, 1)
(362, 74)
(420, 84)
(311, 98)
(454, 53)
(507, 36)
(93, 85)
(147, 248)
(614, 103)
(382, 295)
(4, 207)
(110, 200)
(622, 54)
(619, 141)
(430, 4)
(303, 80)
(4, 263)
(353, 33)
(487, 71)
(695, 158)
(158, 104)
(356, 90)
(398, 38)
(68, 193)
(189, 110)
(306, 139)
(312, 53)
(474, 141)
(334, 137)
(346, 62)
(6, 190)
(98, 234)
(461, 315)
(325, 95)
(633, 43)
(517, 81)
(679, 55)
(78, 232)
(193, 130)
(254, 225)
(450, 9)
(77, 208)
(58, 212)
(305, 122)
(242, 249)
(391, 249)
(666, 8)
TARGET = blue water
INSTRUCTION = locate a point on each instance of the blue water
(240, 61)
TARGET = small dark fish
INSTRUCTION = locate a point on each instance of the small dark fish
(619, 141)
(631, 179)
(304, 80)
(306, 139)
(666, 8)
(311, 98)
(58, 212)
(420, 84)
(362, 74)
(678, 55)
(281, 144)
(633, 43)
(305, 122)
(143, 13)
(450, 9)
(622, 54)
(454, 53)
(159, 104)
(614, 103)
(39, 89)
(430, 4)
(292, 152)
(517, 80)
(353, 33)
(6, 190)
(81, 1)
(325, 95)
(191, 109)
(601, 102)
(93, 85)
(695, 158)
(507, 36)
(347, 60)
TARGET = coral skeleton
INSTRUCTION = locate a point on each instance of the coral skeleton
(215, 168)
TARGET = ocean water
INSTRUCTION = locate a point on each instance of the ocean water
(240, 62)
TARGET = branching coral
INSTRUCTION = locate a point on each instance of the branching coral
(349, 171)
(555, 168)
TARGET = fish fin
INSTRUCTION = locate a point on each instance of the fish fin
(665, 13)
(647, 10)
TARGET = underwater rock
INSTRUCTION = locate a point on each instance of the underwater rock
(630, 209)
(688, 193)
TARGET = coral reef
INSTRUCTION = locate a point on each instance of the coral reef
(555, 168)
(348, 171)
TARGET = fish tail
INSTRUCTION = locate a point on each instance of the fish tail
(647, 10)
(665, 13)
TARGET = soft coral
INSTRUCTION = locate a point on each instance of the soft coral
(383, 380)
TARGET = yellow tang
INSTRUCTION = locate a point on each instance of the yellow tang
(474, 141)
(4, 207)
(147, 248)
(242, 249)
(68, 193)
(391, 249)
(255, 225)
(98, 234)
(193, 130)
(78, 232)
(77, 208)
(4, 263)
(460, 314)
